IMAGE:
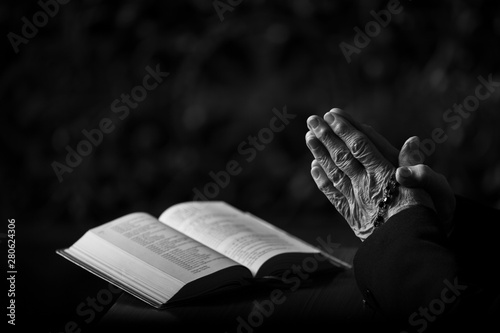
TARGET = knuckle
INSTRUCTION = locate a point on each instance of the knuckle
(344, 160)
(335, 197)
(323, 133)
(335, 176)
(339, 204)
(359, 146)
(340, 128)
(323, 160)
(325, 188)
(341, 157)
(327, 165)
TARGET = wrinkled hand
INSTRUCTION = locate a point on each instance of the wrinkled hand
(351, 171)
(412, 172)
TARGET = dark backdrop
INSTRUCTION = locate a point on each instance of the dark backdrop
(225, 78)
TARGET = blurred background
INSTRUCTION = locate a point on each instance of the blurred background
(226, 76)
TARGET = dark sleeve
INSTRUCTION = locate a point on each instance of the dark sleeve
(475, 242)
(412, 275)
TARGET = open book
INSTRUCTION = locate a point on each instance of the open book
(192, 249)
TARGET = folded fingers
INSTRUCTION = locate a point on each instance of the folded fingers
(330, 150)
(332, 190)
(359, 145)
(385, 147)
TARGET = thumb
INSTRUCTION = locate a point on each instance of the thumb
(410, 153)
(422, 176)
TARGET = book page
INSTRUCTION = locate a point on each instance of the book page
(160, 246)
(239, 236)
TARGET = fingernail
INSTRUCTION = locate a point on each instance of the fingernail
(315, 173)
(405, 172)
(313, 122)
(329, 118)
(313, 144)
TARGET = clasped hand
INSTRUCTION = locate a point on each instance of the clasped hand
(353, 164)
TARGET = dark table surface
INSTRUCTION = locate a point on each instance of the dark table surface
(56, 294)
(328, 301)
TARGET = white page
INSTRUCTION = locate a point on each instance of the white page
(162, 247)
(237, 235)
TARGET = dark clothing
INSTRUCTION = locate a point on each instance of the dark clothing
(416, 279)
